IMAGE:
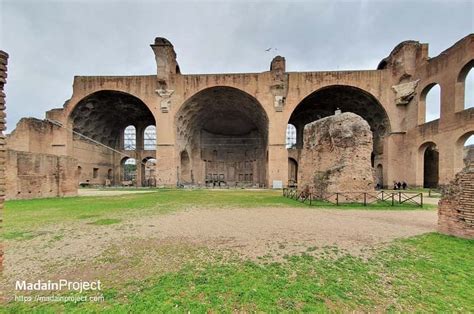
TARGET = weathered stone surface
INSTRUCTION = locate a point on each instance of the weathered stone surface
(3, 74)
(456, 207)
(336, 155)
(34, 175)
(405, 92)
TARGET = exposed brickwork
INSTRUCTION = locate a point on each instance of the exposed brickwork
(456, 208)
(3, 80)
(35, 175)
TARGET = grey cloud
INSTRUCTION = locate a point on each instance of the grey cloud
(51, 41)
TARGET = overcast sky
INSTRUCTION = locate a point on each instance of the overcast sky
(51, 41)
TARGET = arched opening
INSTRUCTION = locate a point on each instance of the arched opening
(185, 165)
(465, 87)
(379, 176)
(222, 133)
(115, 119)
(430, 155)
(148, 167)
(326, 101)
(464, 151)
(292, 172)
(291, 136)
(149, 138)
(103, 115)
(468, 148)
(129, 171)
(430, 102)
(130, 138)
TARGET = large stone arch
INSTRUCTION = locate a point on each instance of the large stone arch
(225, 132)
(104, 114)
(324, 101)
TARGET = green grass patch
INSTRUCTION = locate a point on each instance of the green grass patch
(21, 215)
(17, 235)
(429, 273)
(107, 221)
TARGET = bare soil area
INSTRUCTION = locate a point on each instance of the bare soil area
(100, 192)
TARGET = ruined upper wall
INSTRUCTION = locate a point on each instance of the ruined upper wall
(36, 136)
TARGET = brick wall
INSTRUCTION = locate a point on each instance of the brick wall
(456, 207)
(34, 175)
(3, 80)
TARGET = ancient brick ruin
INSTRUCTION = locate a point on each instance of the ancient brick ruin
(336, 155)
(3, 80)
(456, 207)
(34, 170)
(231, 129)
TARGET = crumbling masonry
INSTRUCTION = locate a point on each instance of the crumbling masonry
(3, 80)
(336, 155)
(456, 208)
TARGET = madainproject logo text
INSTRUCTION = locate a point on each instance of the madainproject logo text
(60, 285)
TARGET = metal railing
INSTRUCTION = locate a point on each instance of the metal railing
(364, 198)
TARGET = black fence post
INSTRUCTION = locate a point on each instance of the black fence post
(393, 199)
(421, 199)
(337, 199)
(365, 199)
(399, 197)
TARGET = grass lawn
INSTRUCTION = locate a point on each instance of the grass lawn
(426, 273)
(22, 215)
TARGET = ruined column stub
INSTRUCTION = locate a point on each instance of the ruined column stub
(165, 57)
(279, 88)
(456, 207)
(3, 80)
(336, 155)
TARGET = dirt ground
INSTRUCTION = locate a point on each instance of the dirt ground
(248, 233)
(99, 192)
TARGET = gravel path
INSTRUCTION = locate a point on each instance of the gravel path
(256, 232)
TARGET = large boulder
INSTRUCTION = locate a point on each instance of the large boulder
(336, 155)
